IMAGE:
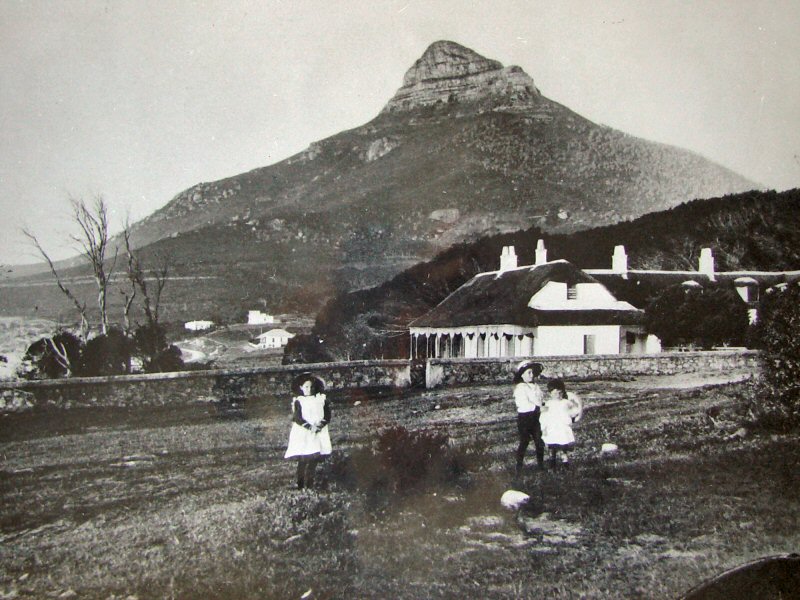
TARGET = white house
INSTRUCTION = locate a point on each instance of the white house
(546, 309)
(198, 325)
(257, 317)
(274, 338)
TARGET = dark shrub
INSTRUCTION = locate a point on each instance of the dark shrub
(402, 462)
(52, 357)
(108, 354)
(706, 317)
(778, 400)
(150, 343)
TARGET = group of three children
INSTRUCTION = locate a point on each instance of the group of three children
(543, 420)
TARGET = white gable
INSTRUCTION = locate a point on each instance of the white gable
(587, 296)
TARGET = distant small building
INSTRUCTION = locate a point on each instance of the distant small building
(274, 338)
(198, 325)
(257, 317)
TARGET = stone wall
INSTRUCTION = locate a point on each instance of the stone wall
(236, 386)
(197, 386)
(467, 371)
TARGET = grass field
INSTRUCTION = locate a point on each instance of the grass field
(186, 503)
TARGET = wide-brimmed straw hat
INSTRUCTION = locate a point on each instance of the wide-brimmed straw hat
(534, 366)
(317, 385)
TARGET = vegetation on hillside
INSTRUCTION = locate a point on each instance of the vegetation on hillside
(755, 230)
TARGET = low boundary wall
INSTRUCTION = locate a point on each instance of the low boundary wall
(232, 385)
(460, 371)
(274, 382)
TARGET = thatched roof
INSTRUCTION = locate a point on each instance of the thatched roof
(502, 298)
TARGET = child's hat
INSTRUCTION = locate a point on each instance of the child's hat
(317, 385)
(536, 367)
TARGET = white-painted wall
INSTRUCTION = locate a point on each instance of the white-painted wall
(564, 340)
(553, 296)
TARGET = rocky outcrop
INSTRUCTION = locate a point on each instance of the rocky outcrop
(380, 147)
(450, 73)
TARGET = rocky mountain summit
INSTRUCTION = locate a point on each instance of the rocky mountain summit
(465, 148)
(448, 72)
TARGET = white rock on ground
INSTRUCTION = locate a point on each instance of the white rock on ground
(608, 448)
(513, 499)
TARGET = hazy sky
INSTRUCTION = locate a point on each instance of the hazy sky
(138, 100)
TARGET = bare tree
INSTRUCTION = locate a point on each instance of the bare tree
(138, 278)
(80, 306)
(130, 293)
(93, 241)
(61, 355)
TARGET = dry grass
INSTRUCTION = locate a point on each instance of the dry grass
(179, 503)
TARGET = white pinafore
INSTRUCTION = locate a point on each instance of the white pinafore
(302, 441)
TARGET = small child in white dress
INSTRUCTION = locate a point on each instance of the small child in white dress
(309, 439)
(561, 410)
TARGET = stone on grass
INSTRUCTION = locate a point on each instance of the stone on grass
(608, 448)
(514, 499)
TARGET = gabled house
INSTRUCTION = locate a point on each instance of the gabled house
(274, 338)
(546, 309)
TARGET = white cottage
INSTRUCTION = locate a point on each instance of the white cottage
(257, 317)
(198, 325)
(546, 309)
(274, 338)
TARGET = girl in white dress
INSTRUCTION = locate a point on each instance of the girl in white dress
(561, 410)
(309, 439)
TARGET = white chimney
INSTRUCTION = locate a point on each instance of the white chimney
(706, 266)
(619, 261)
(541, 253)
(508, 258)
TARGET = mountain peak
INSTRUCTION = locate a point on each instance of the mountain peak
(448, 72)
(445, 60)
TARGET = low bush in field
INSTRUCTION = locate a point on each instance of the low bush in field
(402, 461)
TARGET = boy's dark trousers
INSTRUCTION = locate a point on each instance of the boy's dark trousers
(306, 466)
(529, 428)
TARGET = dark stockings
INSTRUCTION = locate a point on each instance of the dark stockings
(529, 429)
(306, 466)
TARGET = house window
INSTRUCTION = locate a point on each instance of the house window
(588, 344)
(630, 341)
(572, 291)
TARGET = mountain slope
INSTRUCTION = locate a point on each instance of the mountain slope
(465, 148)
